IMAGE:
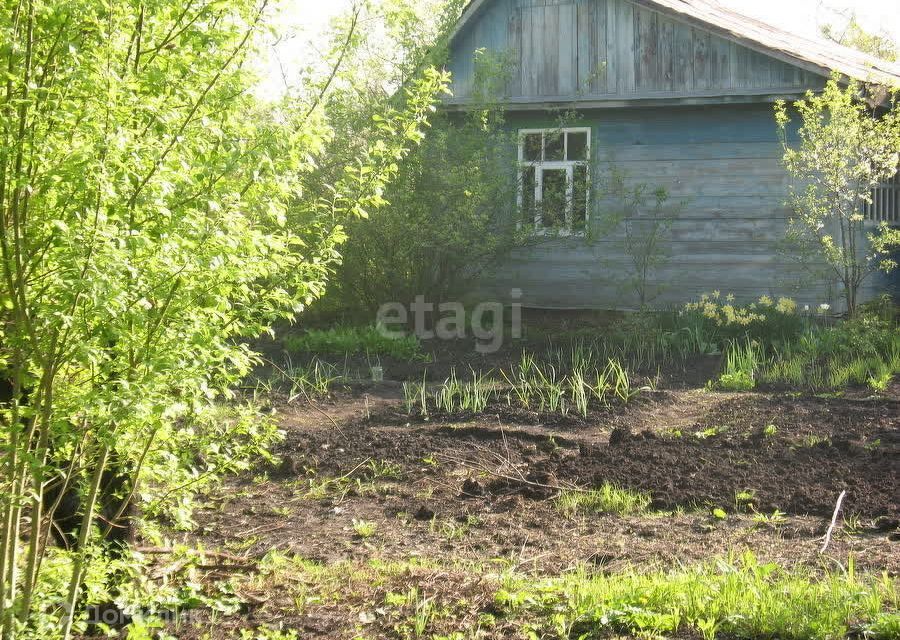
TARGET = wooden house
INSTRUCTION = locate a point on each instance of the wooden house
(665, 94)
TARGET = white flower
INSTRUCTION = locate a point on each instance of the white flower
(806, 307)
(824, 306)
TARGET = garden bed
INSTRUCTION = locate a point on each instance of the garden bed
(385, 502)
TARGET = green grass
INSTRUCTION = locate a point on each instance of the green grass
(370, 341)
(863, 351)
(728, 598)
(742, 359)
(364, 529)
(609, 498)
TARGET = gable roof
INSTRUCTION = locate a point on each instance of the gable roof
(818, 56)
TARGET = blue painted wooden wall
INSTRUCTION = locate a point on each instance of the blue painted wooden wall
(615, 64)
(721, 166)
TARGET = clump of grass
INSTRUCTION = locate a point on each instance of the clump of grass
(862, 351)
(310, 380)
(609, 498)
(370, 340)
(364, 529)
(415, 396)
(458, 396)
(546, 388)
(742, 359)
(740, 598)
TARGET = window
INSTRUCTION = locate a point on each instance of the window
(885, 205)
(554, 178)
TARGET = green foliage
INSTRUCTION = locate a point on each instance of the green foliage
(579, 385)
(364, 529)
(369, 340)
(458, 396)
(154, 215)
(742, 598)
(864, 350)
(311, 380)
(742, 359)
(609, 498)
(212, 441)
(846, 148)
(881, 45)
(720, 320)
(124, 582)
(451, 216)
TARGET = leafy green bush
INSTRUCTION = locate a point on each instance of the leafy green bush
(355, 340)
(450, 217)
(156, 218)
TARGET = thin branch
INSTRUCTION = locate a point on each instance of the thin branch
(837, 509)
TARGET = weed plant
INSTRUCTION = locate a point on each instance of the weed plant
(369, 341)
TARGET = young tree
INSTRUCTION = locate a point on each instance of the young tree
(845, 149)
(451, 215)
(152, 217)
(450, 212)
(643, 216)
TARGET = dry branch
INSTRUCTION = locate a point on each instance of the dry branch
(837, 509)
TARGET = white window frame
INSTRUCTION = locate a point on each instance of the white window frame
(568, 166)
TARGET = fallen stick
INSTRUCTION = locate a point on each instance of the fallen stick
(837, 509)
(252, 568)
(204, 552)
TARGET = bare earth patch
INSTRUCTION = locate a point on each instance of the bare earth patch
(449, 503)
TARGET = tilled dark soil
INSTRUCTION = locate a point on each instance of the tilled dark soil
(492, 481)
(814, 449)
(474, 490)
(819, 448)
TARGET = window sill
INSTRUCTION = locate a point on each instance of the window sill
(557, 233)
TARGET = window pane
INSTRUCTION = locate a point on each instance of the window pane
(553, 198)
(553, 147)
(528, 195)
(579, 198)
(532, 147)
(577, 146)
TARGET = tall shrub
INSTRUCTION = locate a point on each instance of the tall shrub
(450, 214)
(151, 216)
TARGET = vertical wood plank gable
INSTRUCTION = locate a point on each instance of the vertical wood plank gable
(575, 49)
(666, 53)
(514, 39)
(548, 82)
(585, 46)
(592, 48)
(625, 46)
(566, 38)
(701, 59)
(721, 68)
(612, 46)
(646, 45)
(684, 64)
